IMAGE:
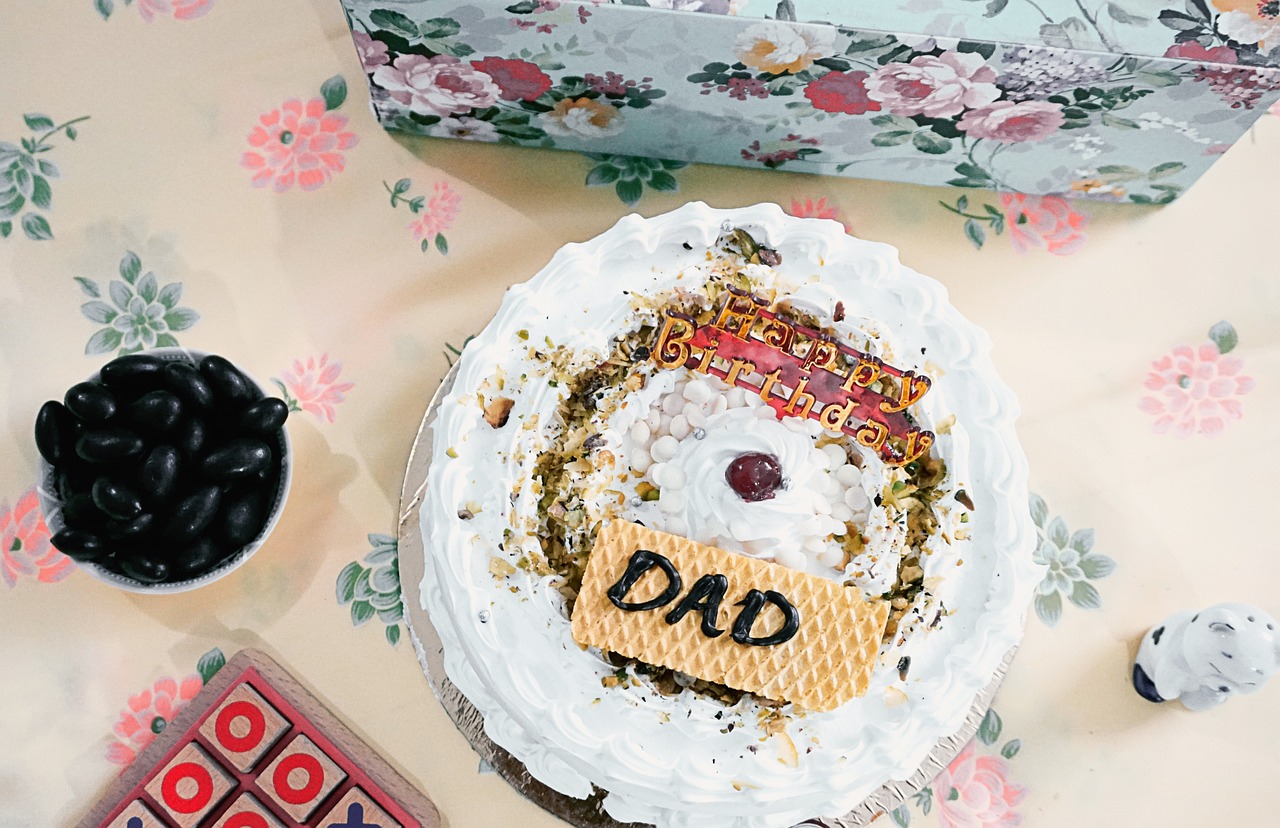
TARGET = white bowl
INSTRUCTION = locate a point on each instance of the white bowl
(51, 505)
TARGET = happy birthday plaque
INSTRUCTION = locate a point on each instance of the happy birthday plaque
(802, 373)
(727, 618)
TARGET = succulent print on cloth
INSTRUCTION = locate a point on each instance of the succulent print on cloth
(141, 313)
(374, 589)
(426, 80)
(24, 543)
(1197, 390)
(312, 385)
(1072, 564)
(976, 790)
(300, 142)
(152, 9)
(25, 177)
(631, 174)
(150, 711)
(1048, 222)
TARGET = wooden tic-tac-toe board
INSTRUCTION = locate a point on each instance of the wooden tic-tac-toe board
(255, 750)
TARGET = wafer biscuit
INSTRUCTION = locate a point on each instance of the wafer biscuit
(827, 662)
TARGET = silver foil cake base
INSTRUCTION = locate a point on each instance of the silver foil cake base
(589, 813)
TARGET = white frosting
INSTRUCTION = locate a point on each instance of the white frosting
(541, 695)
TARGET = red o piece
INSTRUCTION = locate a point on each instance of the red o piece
(315, 778)
(246, 819)
(175, 800)
(257, 726)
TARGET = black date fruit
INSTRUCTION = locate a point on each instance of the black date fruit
(132, 373)
(229, 384)
(193, 514)
(55, 432)
(132, 531)
(116, 499)
(191, 438)
(185, 380)
(109, 445)
(80, 512)
(198, 558)
(155, 412)
(91, 401)
(79, 545)
(145, 568)
(158, 474)
(265, 417)
(241, 519)
(239, 458)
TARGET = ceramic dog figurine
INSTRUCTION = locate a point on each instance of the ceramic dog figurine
(1202, 658)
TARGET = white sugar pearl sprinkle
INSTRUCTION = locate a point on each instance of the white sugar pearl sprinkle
(671, 500)
(790, 558)
(640, 432)
(719, 405)
(657, 474)
(736, 398)
(848, 475)
(694, 415)
(654, 418)
(640, 461)
(830, 556)
(856, 499)
(672, 404)
(675, 525)
(697, 392)
(835, 454)
(679, 427)
(664, 448)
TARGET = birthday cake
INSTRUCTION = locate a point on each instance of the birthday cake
(727, 518)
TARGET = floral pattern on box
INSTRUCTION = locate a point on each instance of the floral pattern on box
(629, 80)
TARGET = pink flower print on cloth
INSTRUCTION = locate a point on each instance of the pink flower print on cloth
(147, 714)
(815, 208)
(1197, 390)
(936, 87)
(24, 543)
(373, 53)
(1043, 221)
(313, 387)
(297, 143)
(439, 214)
(1013, 122)
(440, 85)
(177, 9)
(975, 792)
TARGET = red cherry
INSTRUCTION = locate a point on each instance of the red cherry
(754, 476)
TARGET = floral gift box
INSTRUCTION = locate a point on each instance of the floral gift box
(1114, 99)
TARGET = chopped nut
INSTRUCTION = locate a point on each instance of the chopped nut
(497, 411)
(963, 497)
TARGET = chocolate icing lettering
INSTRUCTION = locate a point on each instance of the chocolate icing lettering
(642, 560)
(705, 597)
(751, 607)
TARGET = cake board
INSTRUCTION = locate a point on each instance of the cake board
(589, 813)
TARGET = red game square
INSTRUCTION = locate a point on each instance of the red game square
(244, 727)
(300, 778)
(190, 786)
(247, 812)
(137, 815)
(356, 808)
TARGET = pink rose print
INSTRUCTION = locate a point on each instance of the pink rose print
(1194, 51)
(937, 87)
(1013, 122)
(313, 387)
(815, 208)
(24, 543)
(517, 80)
(1043, 221)
(975, 792)
(147, 714)
(841, 92)
(373, 53)
(441, 85)
(1197, 390)
(297, 143)
(177, 9)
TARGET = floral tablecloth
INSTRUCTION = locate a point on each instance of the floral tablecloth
(207, 173)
